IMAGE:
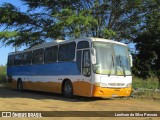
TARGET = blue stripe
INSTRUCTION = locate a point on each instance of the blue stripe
(60, 68)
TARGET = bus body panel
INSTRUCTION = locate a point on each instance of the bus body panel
(50, 76)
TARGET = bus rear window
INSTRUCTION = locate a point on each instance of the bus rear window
(10, 60)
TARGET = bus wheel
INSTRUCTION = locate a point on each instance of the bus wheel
(68, 89)
(19, 85)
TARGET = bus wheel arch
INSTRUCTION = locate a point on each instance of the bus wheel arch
(67, 88)
(19, 84)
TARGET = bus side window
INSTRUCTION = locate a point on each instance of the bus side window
(67, 52)
(79, 56)
(51, 54)
(17, 59)
(82, 44)
(38, 56)
(86, 70)
(27, 57)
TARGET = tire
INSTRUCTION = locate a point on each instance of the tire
(19, 85)
(68, 89)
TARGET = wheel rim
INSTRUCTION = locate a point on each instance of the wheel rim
(67, 88)
(19, 86)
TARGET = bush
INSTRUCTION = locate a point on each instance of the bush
(2, 74)
(145, 88)
(2, 79)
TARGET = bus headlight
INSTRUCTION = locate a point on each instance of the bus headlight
(128, 85)
(102, 84)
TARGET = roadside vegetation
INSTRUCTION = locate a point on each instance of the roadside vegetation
(2, 74)
(149, 83)
(146, 88)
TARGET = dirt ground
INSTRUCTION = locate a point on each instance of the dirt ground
(12, 100)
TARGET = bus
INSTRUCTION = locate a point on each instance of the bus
(90, 67)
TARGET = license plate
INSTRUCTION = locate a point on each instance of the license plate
(114, 95)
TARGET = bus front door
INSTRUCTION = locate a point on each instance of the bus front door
(84, 66)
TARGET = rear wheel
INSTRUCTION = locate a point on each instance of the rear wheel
(19, 85)
(68, 89)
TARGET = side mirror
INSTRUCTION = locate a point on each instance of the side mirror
(130, 60)
(93, 56)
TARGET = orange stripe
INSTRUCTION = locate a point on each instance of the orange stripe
(53, 87)
(82, 88)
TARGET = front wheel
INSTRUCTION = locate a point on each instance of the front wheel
(68, 89)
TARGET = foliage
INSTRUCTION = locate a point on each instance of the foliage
(2, 73)
(62, 19)
(147, 61)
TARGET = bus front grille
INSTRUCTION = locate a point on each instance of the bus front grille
(116, 84)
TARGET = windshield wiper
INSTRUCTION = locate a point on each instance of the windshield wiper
(122, 66)
(112, 64)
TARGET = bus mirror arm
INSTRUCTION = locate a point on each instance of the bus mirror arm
(93, 56)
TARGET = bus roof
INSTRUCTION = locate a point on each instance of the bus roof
(58, 42)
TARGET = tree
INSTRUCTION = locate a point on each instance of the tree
(147, 61)
(62, 19)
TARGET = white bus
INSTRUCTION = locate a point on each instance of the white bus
(92, 67)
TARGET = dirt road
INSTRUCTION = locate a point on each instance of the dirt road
(12, 100)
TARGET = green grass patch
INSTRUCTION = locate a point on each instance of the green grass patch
(150, 83)
(146, 94)
(145, 88)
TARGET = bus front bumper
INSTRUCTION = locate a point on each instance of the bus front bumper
(110, 92)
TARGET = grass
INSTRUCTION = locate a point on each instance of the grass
(147, 89)
(150, 83)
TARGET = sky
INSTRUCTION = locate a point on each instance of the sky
(5, 50)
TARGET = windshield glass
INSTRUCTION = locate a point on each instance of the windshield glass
(112, 59)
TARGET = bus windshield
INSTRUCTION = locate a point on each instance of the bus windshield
(111, 59)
